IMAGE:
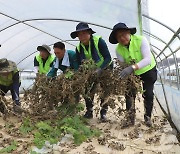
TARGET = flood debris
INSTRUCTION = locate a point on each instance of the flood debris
(54, 108)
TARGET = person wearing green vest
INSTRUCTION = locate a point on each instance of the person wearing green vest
(64, 59)
(135, 48)
(44, 60)
(92, 48)
(9, 80)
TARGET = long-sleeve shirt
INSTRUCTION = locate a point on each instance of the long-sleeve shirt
(73, 64)
(103, 49)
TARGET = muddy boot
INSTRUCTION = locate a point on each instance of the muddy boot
(89, 108)
(17, 109)
(129, 119)
(3, 109)
(147, 121)
(88, 114)
(103, 115)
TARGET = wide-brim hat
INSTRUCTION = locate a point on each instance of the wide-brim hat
(44, 47)
(119, 26)
(81, 27)
(7, 65)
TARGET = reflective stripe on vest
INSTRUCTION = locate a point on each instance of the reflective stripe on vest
(88, 53)
(46, 68)
(134, 54)
(7, 80)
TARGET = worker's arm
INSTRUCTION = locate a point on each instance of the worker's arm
(74, 61)
(103, 49)
(52, 72)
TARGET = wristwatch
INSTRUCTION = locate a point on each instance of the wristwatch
(134, 67)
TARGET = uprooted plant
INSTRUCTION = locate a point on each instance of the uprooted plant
(53, 104)
(48, 93)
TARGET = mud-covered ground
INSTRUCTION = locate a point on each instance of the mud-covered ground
(161, 138)
(52, 121)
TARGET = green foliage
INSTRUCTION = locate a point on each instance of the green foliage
(80, 107)
(70, 109)
(76, 126)
(68, 123)
(69, 74)
(39, 140)
(43, 126)
(10, 148)
(26, 126)
(89, 65)
(33, 152)
(46, 132)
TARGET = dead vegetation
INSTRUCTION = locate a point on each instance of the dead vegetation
(50, 97)
(48, 93)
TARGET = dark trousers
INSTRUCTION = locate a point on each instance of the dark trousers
(148, 79)
(91, 90)
(90, 98)
(5, 89)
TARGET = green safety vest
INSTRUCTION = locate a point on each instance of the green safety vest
(46, 68)
(88, 53)
(134, 54)
(7, 80)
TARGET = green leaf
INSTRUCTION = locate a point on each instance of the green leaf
(9, 148)
(69, 74)
(79, 138)
(33, 152)
(80, 107)
(26, 126)
(44, 126)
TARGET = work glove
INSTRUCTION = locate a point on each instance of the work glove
(126, 72)
(98, 71)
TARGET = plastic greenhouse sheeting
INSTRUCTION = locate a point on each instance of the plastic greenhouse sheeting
(26, 24)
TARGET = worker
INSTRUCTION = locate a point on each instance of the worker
(131, 47)
(64, 59)
(9, 80)
(93, 48)
(43, 61)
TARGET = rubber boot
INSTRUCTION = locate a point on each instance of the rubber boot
(148, 111)
(103, 114)
(129, 119)
(2, 108)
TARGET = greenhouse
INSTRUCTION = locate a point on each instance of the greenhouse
(27, 25)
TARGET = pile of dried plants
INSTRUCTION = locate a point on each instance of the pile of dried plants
(48, 93)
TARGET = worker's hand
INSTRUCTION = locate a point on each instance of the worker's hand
(98, 71)
(126, 72)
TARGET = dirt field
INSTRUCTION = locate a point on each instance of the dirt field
(114, 140)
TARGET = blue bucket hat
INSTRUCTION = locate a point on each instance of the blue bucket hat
(80, 27)
(119, 26)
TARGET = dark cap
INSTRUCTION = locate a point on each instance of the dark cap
(81, 27)
(119, 26)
